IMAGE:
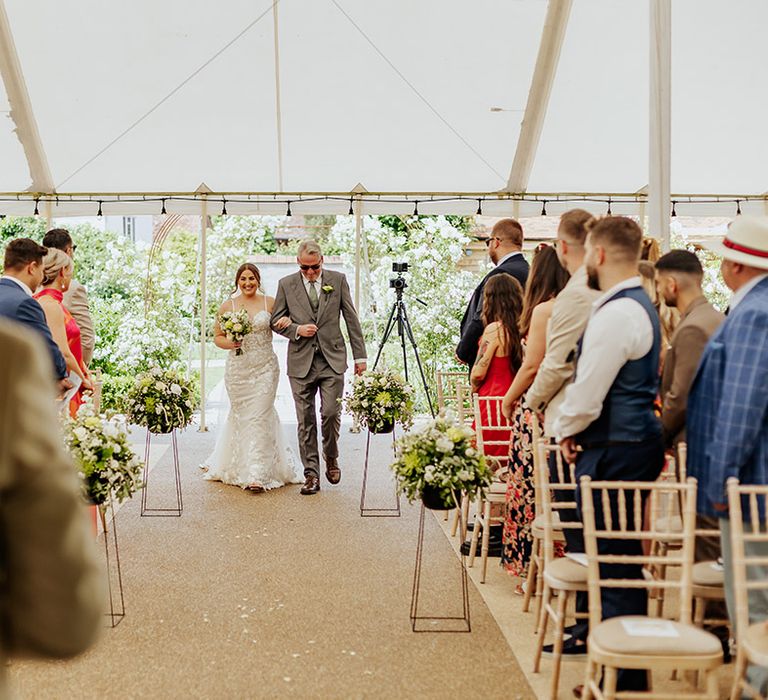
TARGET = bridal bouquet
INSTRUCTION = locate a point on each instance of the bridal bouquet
(236, 325)
(161, 400)
(100, 449)
(439, 459)
(379, 399)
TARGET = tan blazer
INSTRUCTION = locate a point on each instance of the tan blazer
(76, 301)
(292, 300)
(570, 314)
(53, 594)
(687, 344)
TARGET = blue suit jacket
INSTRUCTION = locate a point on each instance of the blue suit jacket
(16, 305)
(727, 416)
(472, 325)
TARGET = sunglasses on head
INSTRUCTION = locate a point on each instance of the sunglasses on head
(311, 267)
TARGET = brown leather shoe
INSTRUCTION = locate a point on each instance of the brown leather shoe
(311, 486)
(332, 473)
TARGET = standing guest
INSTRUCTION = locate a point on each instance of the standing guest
(608, 409)
(570, 313)
(545, 282)
(678, 277)
(727, 419)
(22, 273)
(76, 297)
(57, 275)
(500, 353)
(668, 316)
(52, 602)
(505, 249)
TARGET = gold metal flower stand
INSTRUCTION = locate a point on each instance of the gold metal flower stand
(365, 511)
(116, 611)
(173, 511)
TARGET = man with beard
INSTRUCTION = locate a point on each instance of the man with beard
(608, 409)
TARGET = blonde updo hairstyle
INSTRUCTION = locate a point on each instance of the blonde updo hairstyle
(54, 262)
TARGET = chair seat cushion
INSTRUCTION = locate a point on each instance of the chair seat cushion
(610, 636)
(566, 570)
(708, 573)
(671, 523)
(755, 642)
(538, 521)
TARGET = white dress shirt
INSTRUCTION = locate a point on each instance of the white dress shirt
(617, 332)
(745, 289)
(21, 284)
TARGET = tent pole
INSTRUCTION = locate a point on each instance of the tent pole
(358, 237)
(660, 121)
(48, 215)
(203, 308)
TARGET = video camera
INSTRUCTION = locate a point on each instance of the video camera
(399, 282)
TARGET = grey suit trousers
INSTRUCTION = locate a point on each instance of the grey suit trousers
(331, 386)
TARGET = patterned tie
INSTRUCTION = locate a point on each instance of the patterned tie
(313, 300)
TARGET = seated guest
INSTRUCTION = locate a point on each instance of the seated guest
(727, 415)
(678, 277)
(22, 273)
(546, 280)
(608, 410)
(57, 274)
(75, 298)
(500, 352)
(505, 249)
(53, 588)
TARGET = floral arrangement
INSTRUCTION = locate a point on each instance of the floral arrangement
(99, 445)
(379, 399)
(442, 457)
(236, 325)
(161, 400)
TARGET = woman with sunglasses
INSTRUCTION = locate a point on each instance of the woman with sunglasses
(250, 452)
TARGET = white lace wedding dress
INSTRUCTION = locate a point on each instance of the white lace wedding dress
(250, 448)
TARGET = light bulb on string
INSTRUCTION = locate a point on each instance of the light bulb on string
(544, 208)
(479, 207)
(37, 209)
(609, 208)
(351, 210)
(288, 211)
(223, 207)
(674, 213)
(416, 208)
(162, 211)
(738, 207)
(98, 213)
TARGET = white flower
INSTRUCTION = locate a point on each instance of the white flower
(176, 389)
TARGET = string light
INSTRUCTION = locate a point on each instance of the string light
(544, 208)
(674, 213)
(609, 208)
(351, 210)
(223, 207)
(416, 208)
(479, 207)
(37, 210)
(288, 212)
(98, 213)
(162, 211)
(738, 207)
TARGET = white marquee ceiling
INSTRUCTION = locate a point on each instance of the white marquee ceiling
(159, 97)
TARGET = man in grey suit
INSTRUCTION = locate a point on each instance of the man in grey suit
(315, 299)
(75, 298)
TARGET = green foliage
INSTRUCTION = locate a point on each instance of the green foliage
(381, 398)
(113, 391)
(161, 400)
(11, 227)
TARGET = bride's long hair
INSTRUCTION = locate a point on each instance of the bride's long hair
(246, 266)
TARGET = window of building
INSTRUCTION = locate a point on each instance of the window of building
(129, 227)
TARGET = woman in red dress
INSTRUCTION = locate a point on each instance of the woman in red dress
(57, 275)
(500, 352)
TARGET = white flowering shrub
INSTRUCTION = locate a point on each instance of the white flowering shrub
(161, 400)
(379, 399)
(715, 289)
(101, 450)
(443, 457)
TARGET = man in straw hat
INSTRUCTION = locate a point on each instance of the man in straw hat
(727, 422)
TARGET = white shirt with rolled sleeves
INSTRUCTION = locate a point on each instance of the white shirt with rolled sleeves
(618, 331)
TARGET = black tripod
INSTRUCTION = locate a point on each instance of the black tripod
(398, 316)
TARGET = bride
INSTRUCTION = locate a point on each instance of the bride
(249, 451)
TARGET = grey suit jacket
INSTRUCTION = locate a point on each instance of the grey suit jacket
(566, 325)
(687, 344)
(53, 588)
(76, 301)
(292, 300)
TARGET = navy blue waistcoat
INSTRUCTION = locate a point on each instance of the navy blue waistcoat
(628, 414)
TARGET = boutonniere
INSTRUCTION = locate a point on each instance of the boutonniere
(327, 288)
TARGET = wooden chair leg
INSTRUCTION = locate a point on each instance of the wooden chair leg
(479, 525)
(609, 683)
(533, 568)
(589, 678)
(557, 644)
(738, 673)
(541, 628)
(539, 585)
